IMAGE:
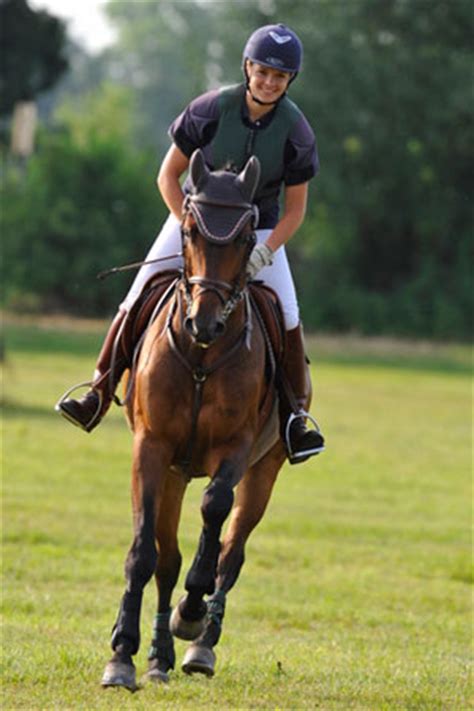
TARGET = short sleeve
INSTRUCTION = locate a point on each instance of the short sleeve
(196, 125)
(301, 154)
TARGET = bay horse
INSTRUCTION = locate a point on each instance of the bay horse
(195, 411)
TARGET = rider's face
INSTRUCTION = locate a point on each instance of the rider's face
(266, 83)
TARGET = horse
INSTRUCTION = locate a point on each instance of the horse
(196, 410)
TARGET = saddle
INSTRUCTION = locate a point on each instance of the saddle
(155, 295)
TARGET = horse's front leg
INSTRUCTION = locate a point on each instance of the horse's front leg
(161, 657)
(253, 495)
(187, 621)
(148, 477)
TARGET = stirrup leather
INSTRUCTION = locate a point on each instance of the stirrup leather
(296, 456)
(95, 416)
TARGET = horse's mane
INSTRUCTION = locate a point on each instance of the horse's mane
(230, 167)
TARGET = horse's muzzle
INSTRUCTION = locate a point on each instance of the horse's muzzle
(204, 333)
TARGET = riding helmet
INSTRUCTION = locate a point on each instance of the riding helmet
(275, 46)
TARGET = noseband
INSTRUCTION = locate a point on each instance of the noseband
(217, 287)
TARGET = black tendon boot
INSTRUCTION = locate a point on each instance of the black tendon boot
(86, 412)
(294, 391)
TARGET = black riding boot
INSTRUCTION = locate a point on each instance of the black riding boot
(294, 391)
(86, 412)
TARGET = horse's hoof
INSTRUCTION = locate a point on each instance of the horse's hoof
(186, 629)
(119, 674)
(156, 676)
(199, 659)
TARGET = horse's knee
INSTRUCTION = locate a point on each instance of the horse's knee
(141, 563)
(142, 557)
(217, 501)
(230, 562)
(168, 568)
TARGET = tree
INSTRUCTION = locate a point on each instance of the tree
(390, 219)
(163, 54)
(33, 53)
(87, 202)
(32, 60)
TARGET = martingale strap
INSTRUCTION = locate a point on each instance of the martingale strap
(201, 373)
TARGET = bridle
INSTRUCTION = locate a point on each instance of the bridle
(229, 294)
(217, 287)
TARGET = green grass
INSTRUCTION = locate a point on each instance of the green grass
(356, 592)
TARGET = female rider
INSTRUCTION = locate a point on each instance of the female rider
(229, 125)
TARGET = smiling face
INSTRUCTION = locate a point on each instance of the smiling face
(266, 83)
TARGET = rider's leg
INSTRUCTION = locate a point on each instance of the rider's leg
(295, 386)
(86, 412)
(301, 441)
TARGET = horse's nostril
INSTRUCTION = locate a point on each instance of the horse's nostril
(189, 325)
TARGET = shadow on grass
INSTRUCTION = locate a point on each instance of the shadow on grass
(13, 409)
(20, 339)
(425, 364)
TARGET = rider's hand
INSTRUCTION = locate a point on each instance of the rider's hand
(261, 256)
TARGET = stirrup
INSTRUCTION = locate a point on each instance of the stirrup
(87, 427)
(295, 457)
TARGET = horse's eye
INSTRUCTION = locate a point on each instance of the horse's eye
(247, 239)
(251, 239)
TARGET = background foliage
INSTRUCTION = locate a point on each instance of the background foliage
(386, 247)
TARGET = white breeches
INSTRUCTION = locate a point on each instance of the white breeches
(277, 276)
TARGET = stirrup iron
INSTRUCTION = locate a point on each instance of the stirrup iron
(87, 384)
(297, 456)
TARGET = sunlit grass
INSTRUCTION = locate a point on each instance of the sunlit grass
(356, 590)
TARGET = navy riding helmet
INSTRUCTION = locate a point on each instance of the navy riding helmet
(275, 46)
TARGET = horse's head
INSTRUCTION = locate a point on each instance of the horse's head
(218, 236)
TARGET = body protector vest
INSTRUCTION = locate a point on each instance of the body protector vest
(236, 140)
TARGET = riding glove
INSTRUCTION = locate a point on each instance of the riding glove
(261, 256)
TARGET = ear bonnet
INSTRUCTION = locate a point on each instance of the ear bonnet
(220, 201)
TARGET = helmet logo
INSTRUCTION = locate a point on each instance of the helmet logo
(274, 60)
(280, 39)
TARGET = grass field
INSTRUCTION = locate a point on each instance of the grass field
(356, 593)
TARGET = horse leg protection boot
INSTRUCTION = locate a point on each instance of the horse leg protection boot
(86, 412)
(294, 392)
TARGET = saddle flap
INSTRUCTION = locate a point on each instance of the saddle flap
(146, 310)
(270, 313)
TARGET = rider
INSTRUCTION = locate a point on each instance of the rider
(230, 124)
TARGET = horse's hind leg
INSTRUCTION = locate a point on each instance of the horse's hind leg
(252, 497)
(140, 565)
(161, 656)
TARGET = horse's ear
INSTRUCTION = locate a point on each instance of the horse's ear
(249, 178)
(198, 169)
